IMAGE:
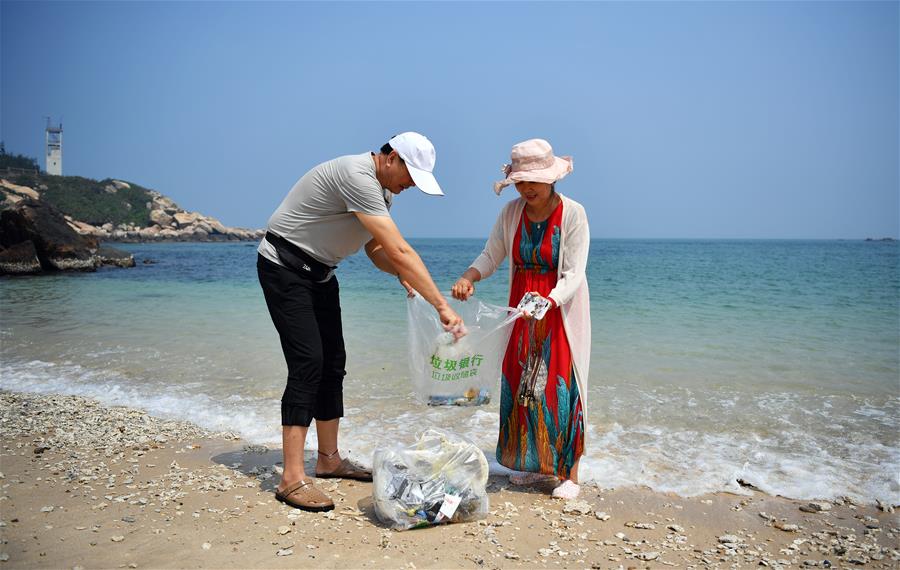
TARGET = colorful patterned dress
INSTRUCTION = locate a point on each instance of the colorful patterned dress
(546, 433)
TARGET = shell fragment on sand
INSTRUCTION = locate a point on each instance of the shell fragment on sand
(576, 507)
(815, 507)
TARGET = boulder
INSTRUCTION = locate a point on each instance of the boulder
(83, 228)
(10, 200)
(216, 226)
(57, 245)
(19, 259)
(21, 190)
(163, 203)
(184, 219)
(160, 218)
(116, 257)
(150, 233)
(120, 185)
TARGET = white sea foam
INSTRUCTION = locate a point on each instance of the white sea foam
(163, 400)
(841, 457)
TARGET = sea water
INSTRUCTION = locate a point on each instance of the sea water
(772, 363)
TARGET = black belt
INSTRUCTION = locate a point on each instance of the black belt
(298, 260)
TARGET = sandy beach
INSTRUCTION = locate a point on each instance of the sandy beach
(88, 486)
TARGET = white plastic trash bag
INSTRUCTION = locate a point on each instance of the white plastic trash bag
(440, 478)
(465, 372)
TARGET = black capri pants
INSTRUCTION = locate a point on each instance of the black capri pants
(307, 316)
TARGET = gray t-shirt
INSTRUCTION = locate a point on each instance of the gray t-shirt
(317, 214)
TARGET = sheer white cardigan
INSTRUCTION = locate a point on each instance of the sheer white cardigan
(571, 291)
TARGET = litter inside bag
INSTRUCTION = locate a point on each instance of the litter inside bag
(440, 478)
(464, 372)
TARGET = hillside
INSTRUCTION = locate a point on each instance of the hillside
(115, 209)
(90, 201)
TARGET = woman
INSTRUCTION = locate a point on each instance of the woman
(545, 370)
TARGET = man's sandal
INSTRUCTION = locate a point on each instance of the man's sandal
(305, 496)
(346, 470)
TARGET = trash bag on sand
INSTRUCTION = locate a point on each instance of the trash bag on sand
(440, 478)
(464, 372)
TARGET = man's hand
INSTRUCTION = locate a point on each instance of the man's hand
(452, 322)
(462, 289)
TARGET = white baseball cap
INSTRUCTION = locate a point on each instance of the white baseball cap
(418, 154)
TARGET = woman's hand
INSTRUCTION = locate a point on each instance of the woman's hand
(549, 300)
(462, 289)
(528, 315)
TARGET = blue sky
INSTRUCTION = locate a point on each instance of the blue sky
(710, 120)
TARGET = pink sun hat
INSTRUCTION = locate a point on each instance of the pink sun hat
(533, 161)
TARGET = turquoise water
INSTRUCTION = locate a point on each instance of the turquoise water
(772, 362)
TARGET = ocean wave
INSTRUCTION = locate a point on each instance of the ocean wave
(158, 398)
(849, 454)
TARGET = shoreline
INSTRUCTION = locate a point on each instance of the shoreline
(85, 484)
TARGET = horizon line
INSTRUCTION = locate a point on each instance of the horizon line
(671, 238)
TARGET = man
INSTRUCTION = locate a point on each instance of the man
(332, 211)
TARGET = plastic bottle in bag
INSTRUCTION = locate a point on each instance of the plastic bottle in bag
(440, 478)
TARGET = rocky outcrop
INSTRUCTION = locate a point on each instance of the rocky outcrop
(21, 258)
(168, 222)
(160, 218)
(17, 192)
(115, 257)
(115, 186)
(58, 247)
(35, 237)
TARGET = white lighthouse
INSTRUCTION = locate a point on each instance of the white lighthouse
(54, 148)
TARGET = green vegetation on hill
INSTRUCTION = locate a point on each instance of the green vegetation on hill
(16, 160)
(89, 200)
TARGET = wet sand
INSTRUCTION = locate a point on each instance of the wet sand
(84, 485)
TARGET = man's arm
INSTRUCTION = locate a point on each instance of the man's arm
(407, 263)
(379, 259)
